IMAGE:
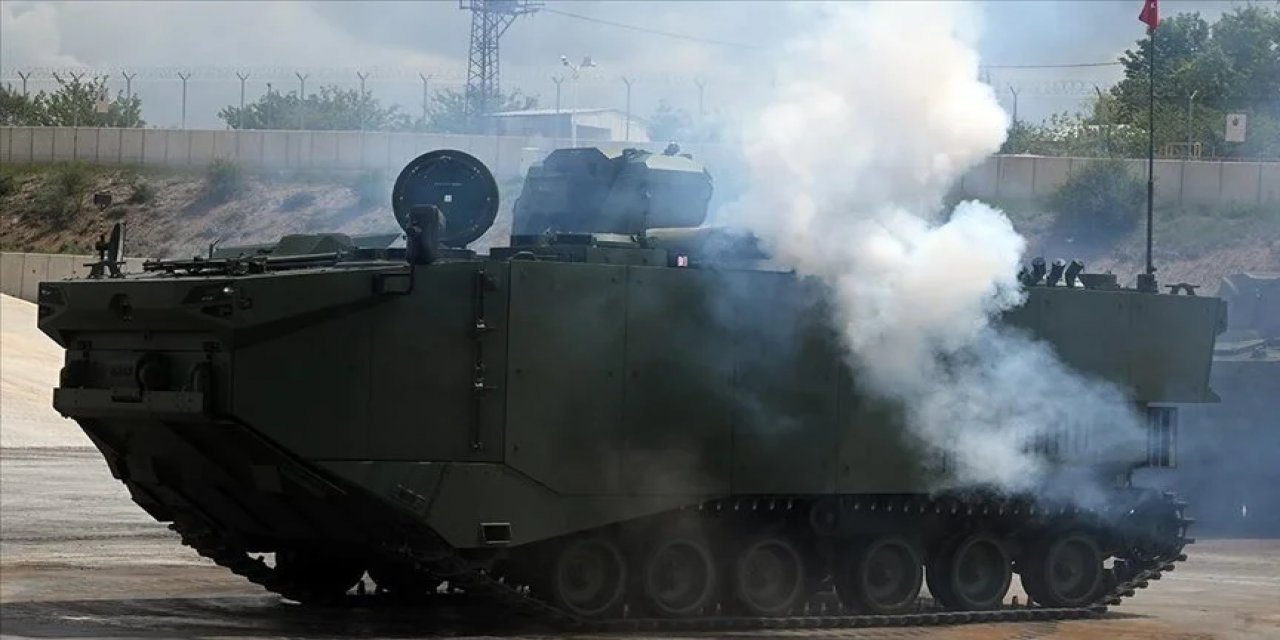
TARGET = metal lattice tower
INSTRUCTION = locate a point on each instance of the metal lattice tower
(489, 20)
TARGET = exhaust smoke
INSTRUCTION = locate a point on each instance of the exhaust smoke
(875, 116)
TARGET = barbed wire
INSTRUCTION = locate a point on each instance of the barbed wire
(229, 73)
(450, 77)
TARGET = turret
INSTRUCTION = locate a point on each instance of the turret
(589, 191)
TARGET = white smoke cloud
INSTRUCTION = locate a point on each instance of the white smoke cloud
(30, 34)
(877, 114)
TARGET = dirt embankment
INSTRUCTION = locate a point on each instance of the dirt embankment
(178, 213)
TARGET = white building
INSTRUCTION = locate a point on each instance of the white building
(593, 125)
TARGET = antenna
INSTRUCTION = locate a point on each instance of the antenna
(110, 254)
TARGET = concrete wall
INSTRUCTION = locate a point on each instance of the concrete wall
(1177, 181)
(22, 273)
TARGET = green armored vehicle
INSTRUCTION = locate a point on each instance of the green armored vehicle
(1239, 498)
(621, 418)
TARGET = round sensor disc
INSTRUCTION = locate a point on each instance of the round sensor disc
(456, 182)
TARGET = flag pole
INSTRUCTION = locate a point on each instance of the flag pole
(1147, 282)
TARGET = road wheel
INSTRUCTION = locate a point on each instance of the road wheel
(972, 575)
(588, 577)
(322, 575)
(401, 581)
(768, 577)
(1064, 571)
(882, 576)
(679, 576)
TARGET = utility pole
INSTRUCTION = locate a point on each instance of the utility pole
(426, 81)
(1015, 103)
(243, 77)
(184, 77)
(362, 75)
(128, 84)
(557, 80)
(628, 82)
(702, 85)
(1105, 112)
(573, 110)
(1190, 100)
(266, 108)
(302, 98)
(24, 77)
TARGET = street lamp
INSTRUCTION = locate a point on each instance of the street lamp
(1190, 99)
(573, 108)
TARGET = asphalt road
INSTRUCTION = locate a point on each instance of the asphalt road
(79, 560)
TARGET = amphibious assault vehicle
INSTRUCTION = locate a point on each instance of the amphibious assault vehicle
(623, 417)
(1244, 428)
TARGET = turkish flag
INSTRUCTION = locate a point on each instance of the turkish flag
(1150, 14)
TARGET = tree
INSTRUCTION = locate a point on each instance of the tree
(332, 109)
(671, 124)
(16, 110)
(77, 102)
(1230, 66)
(448, 110)
(1098, 203)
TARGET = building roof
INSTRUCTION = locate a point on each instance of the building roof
(561, 112)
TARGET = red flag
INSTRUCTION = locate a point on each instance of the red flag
(1150, 14)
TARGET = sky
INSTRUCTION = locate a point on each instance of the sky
(394, 42)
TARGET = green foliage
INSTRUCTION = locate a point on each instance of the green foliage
(16, 110)
(1099, 203)
(334, 109)
(223, 181)
(447, 112)
(141, 192)
(61, 196)
(370, 188)
(8, 184)
(77, 102)
(296, 201)
(1064, 135)
(72, 179)
(1231, 66)
(670, 124)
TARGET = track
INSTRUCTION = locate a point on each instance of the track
(430, 553)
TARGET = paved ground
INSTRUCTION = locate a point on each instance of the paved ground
(29, 366)
(79, 560)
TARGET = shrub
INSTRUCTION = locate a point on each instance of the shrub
(8, 184)
(1101, 202)
(370, 189)
(72, 180)
(117, 212)
(141, 192)
(298, 201)
(223, 180)
(63, 193)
